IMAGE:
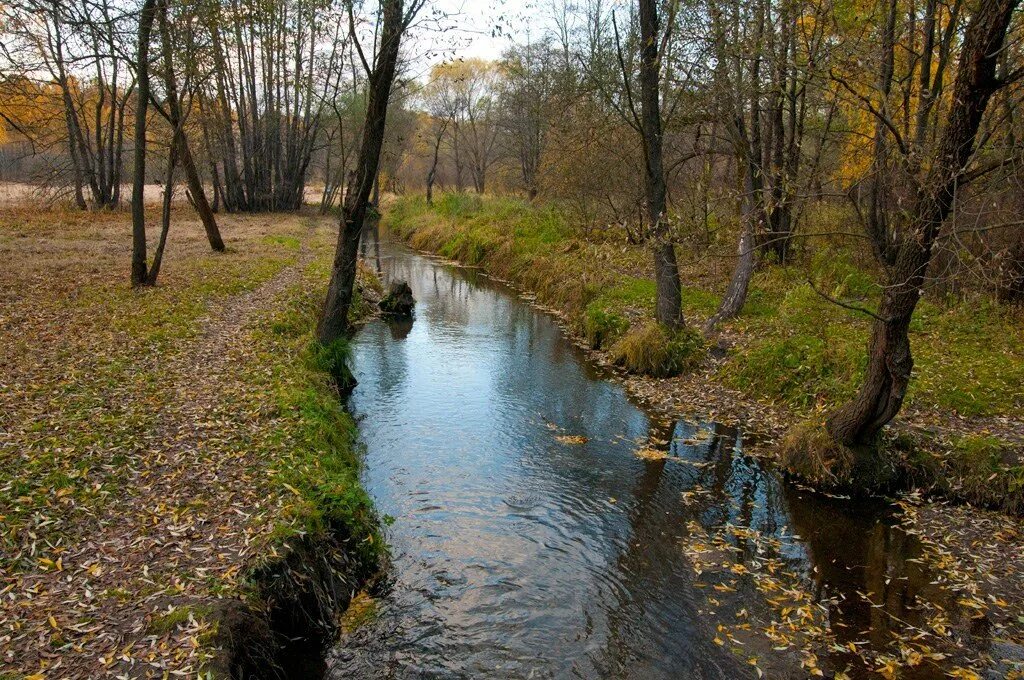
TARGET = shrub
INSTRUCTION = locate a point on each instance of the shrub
(602, 327)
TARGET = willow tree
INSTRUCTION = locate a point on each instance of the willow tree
(915, 184)
(394, 20)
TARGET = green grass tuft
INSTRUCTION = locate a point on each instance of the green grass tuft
(651, 350)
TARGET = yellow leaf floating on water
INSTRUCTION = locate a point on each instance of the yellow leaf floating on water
(651, 454)
(964, 674)
(571, 439)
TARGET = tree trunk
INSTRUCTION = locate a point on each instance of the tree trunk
(753, 212)
(139, 170)
(668, 307)
(195, 188)
(334, 320)
(165, 217)
(887, 375)
(889, 358)
(180, 142)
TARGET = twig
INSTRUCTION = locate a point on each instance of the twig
(846, 305)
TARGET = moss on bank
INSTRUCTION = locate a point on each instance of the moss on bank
(790, 346)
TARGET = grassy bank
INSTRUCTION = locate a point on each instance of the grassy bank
(176, 471)
(324, 543)
(790, 347)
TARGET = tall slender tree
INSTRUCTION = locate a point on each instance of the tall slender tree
(139, 273)
(395, 20)
(668, 307)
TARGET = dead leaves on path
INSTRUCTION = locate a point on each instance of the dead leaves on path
(133, 482)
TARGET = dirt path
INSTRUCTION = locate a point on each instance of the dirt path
(124, 600)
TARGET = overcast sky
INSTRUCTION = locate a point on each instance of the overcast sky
(478, 28)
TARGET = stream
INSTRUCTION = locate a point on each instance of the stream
(528, 539)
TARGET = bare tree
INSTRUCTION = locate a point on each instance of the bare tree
(668, 306)
(394, 21)
(139, 267)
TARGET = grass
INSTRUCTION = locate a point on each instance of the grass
(81, 341)
(316, 455)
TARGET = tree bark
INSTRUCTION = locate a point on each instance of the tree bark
(139, 171)
(334, 319)
(889, 357)
(165, 217)
(668, 308)
(752, 217)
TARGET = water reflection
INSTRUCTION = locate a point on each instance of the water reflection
(522, 550)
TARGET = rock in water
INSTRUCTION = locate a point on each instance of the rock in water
(398, 302)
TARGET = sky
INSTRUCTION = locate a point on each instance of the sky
(477, 28)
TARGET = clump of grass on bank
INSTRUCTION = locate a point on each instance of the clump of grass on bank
(651, 350)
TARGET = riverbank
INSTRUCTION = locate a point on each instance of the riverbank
(171, 457)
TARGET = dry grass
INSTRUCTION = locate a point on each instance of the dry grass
(809, 452)
(651, 350)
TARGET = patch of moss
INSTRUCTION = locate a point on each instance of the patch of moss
(290, 242)
(166, 623)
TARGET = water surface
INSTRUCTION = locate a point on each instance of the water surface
(530, 541)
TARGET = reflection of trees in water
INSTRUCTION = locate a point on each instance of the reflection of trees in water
(371, 233)
(649, 614)
(654, 627)
(388, 366)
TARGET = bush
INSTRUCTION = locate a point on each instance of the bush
(651, 350)
(602, 327)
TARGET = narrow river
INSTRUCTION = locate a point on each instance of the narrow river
(529, 540)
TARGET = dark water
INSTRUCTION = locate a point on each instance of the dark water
(517, 555)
